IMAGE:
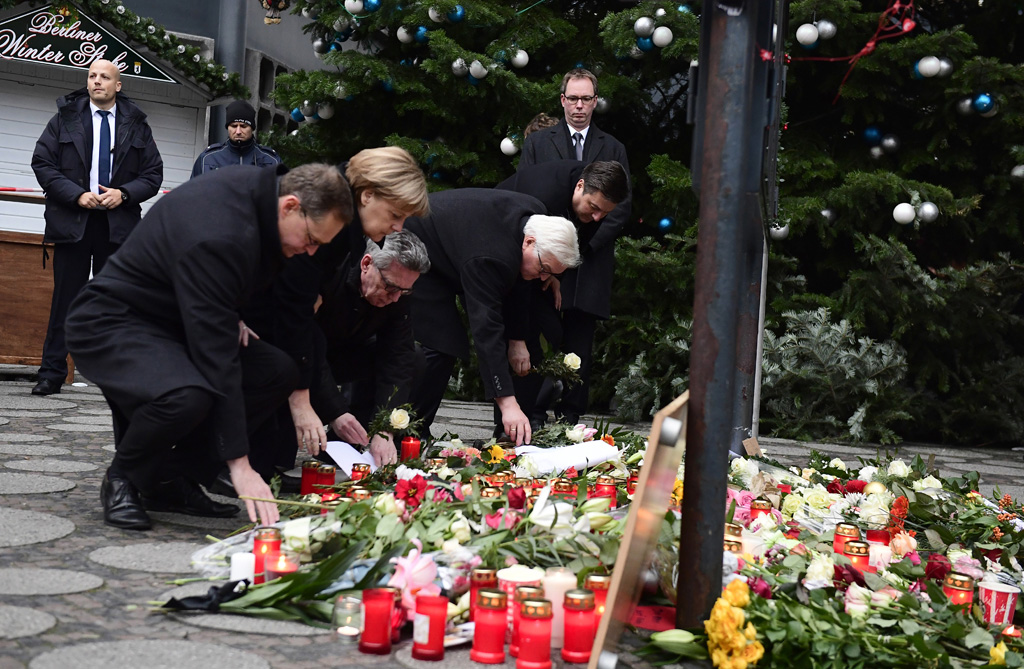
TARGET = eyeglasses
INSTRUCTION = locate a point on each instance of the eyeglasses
(310, 239)
(585, 99)
(391, 288)
(546, 269)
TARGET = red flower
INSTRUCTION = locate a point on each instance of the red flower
(761, 588)
(441, 495)
(844, 575)
(836, 487)
(937, 567)
(411, 491)
(517, 498)
(900, 506)
(856, 485)
(570, 473)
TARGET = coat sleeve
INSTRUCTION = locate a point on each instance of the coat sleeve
(529, 156)
(613, 223)
(197, 167)
(151, 169)
(209, 280)
(486, 282)
(46, 165)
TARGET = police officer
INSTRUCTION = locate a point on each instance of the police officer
(241, 147)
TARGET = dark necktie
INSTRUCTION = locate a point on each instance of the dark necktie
(577, 139)
(104, 162)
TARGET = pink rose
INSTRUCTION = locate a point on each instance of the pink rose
(902, 543)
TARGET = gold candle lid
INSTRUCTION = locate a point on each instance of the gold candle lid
(958, 581)
(733, 546)
(523, 482)
(858, 548)
(333, 504)
(760, 505)
(597, 582)
(733, 530)
(438, 463)
(579, 600)
(490, 493)
(491, 599)
(361, 467)
(504, 477)
(562, 486)
(267, 534)
(847, 530)
(535, 608)
(524, 592)
(359, 494)
(634, 473)
(325, 469)
(311, 464)
(483, 575)
(605, 480)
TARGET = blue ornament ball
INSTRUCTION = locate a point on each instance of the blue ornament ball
(872, 135)
(666, 223)
(472, 80)
(916, 74)
(371, 5)
(644, 43)
(580, 65)
(436, 176)
(335, 46)
(457, 14)
(983, 102)
(297, 115)
(387, 85)
(421, 34)
(501, 56)
(810, 47)
(685, 9)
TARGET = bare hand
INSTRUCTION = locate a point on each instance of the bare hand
(518, 357)
(250, 484)
(309, 429)
(383, 450)
(110, 198)
(555, 286)
(515, 422)
(88, 200)
(348, 428)
(244, 332)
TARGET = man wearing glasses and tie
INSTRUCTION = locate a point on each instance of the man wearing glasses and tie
(586, 291)
(97, 162)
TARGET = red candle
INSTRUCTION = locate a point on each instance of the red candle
(378, 605)
(360, 471)
(859, 554)
(634, 477)
(489, 631)
(784, 488)
(266, 540)
(325, 477)
(959, 588)
(309, 477)
(878, 536)
(522, 593)
(428, 627)
(480, 578)
(1012, 632)
(411, 451)
(579, 626)
(534, 634)
(605, 487)
(358, 493)
(760, 507)
(277, 565)
(328, 497)
(398, 618)
(598, 584)
(844, 532)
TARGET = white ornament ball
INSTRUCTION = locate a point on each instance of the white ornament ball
(325, 110)
(459, 67)
(1017, 173)
(928, 212)
(829, 215)
(508, 147)
(778, 233)
(341, 23)
(340, 92)
(826, 29)
(602, 106)
(436, 15)
(404, 35)
(890, 143)
(477, 69)
(659, 12)
(877, 152)
(929, 66)
(965, 106)
(904, 213)
(521, 59)
(354, 6)
(307, 109)
(644, 26)
(807, 34)
(662, 36)
(945, 67)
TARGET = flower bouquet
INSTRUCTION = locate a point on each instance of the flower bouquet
(565, 368)
(398, 422)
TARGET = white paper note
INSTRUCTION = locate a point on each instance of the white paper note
(346, 456)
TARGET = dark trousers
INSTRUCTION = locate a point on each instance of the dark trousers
(577, 337)
(434, 369)
(72, 263)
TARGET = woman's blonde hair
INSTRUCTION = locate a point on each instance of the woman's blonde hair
(393, 174)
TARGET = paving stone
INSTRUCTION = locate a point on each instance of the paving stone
(224, 525)
(110, 447)
(52, 466)
(458, 658)
(33, 402)
(4, 421)
(31, 449)
(155, 654)
(95, 412)
(164, 558)
(16, 437)
(31, 581)
(19, 484)
(20, 413)
(249, 625)
(19, 621)
(19, 527)
(89, 420)
(79, 427)
(983, 468)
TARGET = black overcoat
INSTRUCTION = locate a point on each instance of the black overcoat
(589, 287)
(474, 237)
(63, 157)
(163, 313)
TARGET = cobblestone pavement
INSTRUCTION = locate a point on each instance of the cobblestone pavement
(75, 593)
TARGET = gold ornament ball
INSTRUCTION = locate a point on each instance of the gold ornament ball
(873, 487)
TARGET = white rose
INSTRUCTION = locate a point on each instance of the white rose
(574, 434)
(927, 482)
(818, 497)
(836, 463)
(572, 361)
(807, 472)
(867, 474)
(875, 508)
(460, 529)
(399, 419)
(408, 473)
(386, 504)
(898, 468)
(791, 504)
(457, 443)
(820, 572)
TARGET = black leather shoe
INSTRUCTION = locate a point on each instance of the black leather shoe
(121, 505)
(47, 387)
(223, 486)
(184, 496)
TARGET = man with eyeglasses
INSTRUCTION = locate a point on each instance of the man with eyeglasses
(585, 292)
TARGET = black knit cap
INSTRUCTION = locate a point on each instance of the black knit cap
(240, 111)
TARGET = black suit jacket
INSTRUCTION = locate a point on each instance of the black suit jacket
(474, 237)
(588, 288)
(163, 312)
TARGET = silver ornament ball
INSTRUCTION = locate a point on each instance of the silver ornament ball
(644, 26)
(660, 12)
(354, 6)
(319, 46)
(927, 212)
(477, 69)
(945, 67)
(890, 143)
(120, 9)
(778, 233)
(341, 23)
(877, 152)
(307, 108)
(404, 35)
(965, 106)
(459, 67)
(635, 53)
(1017, 173)
(436, 15)
(508, 147)
(826, 29)
(339, 91)
(521, 59)
(602, 106)
(829, 215)
(662, 36)
(990, 113)
(929, 66)
(807, 34)
(325, 110)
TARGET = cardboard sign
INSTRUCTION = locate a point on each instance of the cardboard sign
(654, 618)
(751, 447)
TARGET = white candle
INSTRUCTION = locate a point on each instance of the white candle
(557, 582)
(243, 567)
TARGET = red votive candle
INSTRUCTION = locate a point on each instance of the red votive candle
(878, 537)
(760, 507)
(266, 540)
(325, 477)
(598, 584)
(534, 634)
(579, 626)
(398, 618)
(309, 477)
(1012, 632)
(606, 487)
(634, 477)
(784, 488)
(277, 565)
(522, 593)
(959, 588)
(844, 532)
(328, 497)
(859, 553)
(360, 471)
(489, 631)
(411, 451)
(378, 606)
(428, 627)
(358, 493)
(480, 578)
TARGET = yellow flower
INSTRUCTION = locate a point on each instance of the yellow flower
(997, 654)
(737, 593)
(677, 492)
(495, 454)
(750, 632)
(753, 652)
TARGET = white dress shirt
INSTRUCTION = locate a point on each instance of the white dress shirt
(94, 169)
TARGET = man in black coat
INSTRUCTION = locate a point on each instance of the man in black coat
(241, 147)
(97, 162)
(158, 331)
(480, 241)
(586, 292)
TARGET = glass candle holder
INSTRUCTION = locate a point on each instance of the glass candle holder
(844, 532)
(579, 630)
(512, 577)
(326, 499)
(606, 486)
(522, 593)
(878, 536)
(310, 477)
(524, 483)
(325, 478)
(489, 631)
(534, 634)
(410, 449)
(598, 584)
(634, 477)
(360, 471)
(279, 564)
(265, 540)
(490, 493)
(959, 588)
(428, 627)
(378, 607)
(859, 553)
(480, 578)
(347, 620)
(539, 483)
(732, 546)
(760, 507)
(558, 581)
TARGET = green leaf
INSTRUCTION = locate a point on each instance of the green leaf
(935, 539)
(909, 627)
(979, 636)
(386, 525)
(851, 650)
